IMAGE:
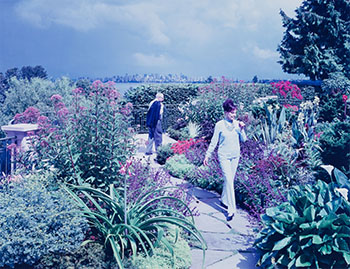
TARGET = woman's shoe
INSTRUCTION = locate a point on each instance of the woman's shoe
(230, 217)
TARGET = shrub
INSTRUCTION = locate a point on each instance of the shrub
(310, 230)
(207, 177)
(196, 152)
(178, 166)
(332, 104)
(85, 141)
(143, 178)
(127, 229)
(180, 134)
(161, 257)
(163, 153)
(206, 109)
(35, 222)
(334, 141)
(91, 255)
(173, 93)
(33, 93)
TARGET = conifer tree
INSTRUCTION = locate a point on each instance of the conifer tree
(316, 42)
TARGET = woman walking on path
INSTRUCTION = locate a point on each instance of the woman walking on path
(228, 133)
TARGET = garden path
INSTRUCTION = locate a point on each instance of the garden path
(229, 243)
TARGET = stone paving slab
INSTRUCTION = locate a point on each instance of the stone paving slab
(241, 260)
(210, 257)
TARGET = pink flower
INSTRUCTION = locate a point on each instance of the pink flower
(77, 91)
(318, 135)
(56, 98)
(42, 119)
(12, 146)
(345, 98)
(44, 143)
(60, 105)
(97, 83)
(62, 113)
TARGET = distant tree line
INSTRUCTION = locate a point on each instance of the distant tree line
(26, 72)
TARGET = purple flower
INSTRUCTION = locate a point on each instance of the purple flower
(56, 98)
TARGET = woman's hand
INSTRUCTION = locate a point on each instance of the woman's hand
(241, 124)
(206, 160)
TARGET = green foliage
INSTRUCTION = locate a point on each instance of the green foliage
(336, 82)
(310, 230)
(173, 93)
(85, 141)
(35, 222)
(161, 257)
(206, 177)
(316, 42)
(140, 226)
(206, 109)
(180, 134)
(335, 141)
(163, 153)
(89, 256)
(178, 165)
(23, 93)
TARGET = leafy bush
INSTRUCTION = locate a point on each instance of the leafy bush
(332, 103)
(178, 165)
(180, 134)
(310, 230)
(127, 229)
(207, 177)
(34, 93)
(196, 152)
(142, 178)
(163, 153)
(85, 141)
(91, 255)
(35, 222)
(161, 257)
(206, 109)
(173, 93)
(335, 141)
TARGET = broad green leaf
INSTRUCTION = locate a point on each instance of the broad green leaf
(282, 243)
(303, 261)
(346, 256)
(326, 249)
(317, 240)
(310, 212)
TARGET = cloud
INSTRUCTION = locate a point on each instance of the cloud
(264, 53)
(185, 24)
(152, 60)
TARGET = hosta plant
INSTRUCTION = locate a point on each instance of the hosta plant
(136, 227)
(310, 230)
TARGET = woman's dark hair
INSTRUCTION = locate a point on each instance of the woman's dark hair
(228, 105)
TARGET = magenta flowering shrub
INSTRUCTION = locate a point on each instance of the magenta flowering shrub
(286, 91)
(260, 178)
(85, 140)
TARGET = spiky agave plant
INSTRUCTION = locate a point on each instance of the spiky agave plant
(140, 227)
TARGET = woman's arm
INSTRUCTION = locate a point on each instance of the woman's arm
(213, 143)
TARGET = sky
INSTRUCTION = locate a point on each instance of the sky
(237, 39)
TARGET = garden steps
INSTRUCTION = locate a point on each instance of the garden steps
(230, 244)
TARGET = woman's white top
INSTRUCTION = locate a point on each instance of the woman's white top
(228, 135)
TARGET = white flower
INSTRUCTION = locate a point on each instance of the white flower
(316, 100)
(343, 192)
(328, 168)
